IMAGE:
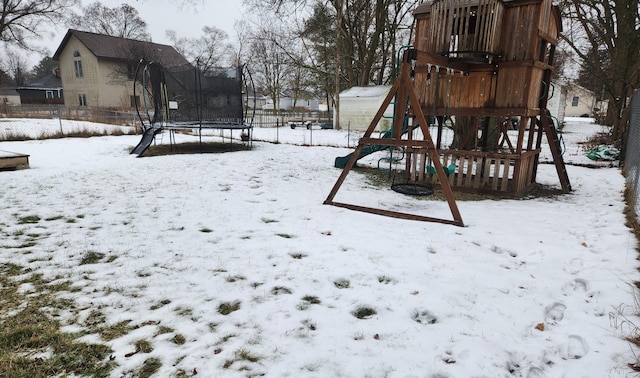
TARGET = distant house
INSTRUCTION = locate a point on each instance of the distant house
(9, 96)
(358, 106)
(98, 70)
(290, 103)
(581, 102)
(44, 90)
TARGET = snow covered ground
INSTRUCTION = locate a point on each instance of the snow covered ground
(529, 288)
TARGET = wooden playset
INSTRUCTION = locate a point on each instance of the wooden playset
(479, 71)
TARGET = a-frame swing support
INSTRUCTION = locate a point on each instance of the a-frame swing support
(403, 90)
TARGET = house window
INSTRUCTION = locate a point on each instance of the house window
(77, 64)
(82, 99)
(135, 101)
(575, 100)
(49, 94)
(131, 71)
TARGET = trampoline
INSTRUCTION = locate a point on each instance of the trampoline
(192, 98)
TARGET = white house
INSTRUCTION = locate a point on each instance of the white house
(556, 103)
(9, 96)
(358, 106)
(287, 103)
(580, 101)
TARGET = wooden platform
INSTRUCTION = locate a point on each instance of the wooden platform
(10, 161)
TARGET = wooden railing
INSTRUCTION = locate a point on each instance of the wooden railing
(476, 170)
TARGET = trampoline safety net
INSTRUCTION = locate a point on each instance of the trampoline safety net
(213, 96)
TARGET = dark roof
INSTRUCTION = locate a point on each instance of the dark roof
(8, 92)
(122, 49)
(48, 81)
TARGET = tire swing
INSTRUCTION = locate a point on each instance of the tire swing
(410, 188)
(413, 189)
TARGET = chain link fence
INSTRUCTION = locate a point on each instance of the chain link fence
(632, 155)
(28, 122)
(112, 117)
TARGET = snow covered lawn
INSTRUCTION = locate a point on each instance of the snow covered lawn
(230, 266)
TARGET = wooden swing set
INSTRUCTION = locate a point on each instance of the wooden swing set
(495, 58)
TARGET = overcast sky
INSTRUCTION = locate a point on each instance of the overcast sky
(162, 15)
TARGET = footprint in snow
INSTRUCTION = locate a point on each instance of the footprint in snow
(579, 284)
(424, 317)
(554, 313)
(577, 347)
(574, 266)
(535, 372)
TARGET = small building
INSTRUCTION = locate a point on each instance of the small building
(557, 101)
(9, 97)
(98, 70)
(44, 90)
(580, 102)
(359, 105)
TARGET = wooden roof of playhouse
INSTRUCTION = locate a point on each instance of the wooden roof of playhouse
(505, 30)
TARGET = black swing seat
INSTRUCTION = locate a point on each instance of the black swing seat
(413, 189)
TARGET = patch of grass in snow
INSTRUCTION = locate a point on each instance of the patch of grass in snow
(206, 230)
(277, 290)
(29, 219)
(54, 218)
(235, 278)
(163, 329)
(267, 220)
(178, 339)
(226, 338)
(160, 304)
(143, 346)
(386, 280)
(113, 331)
(342, 284)
(149, 367)
(242, 355)
(183, 311)
(226, 308)
(297, 256)
(311, 299)
(96, 322)
(31, 341)
(286, 236)
(364, 312)
(26, 244)
(92, 257)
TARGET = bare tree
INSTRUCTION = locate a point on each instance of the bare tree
(270, 62)
(23, 20)
(242, 40)
(209, 50)
(605, 36)
(17, 67)
(123, 21)
(349, 43)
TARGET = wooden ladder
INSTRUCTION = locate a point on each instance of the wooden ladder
(556, 149)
